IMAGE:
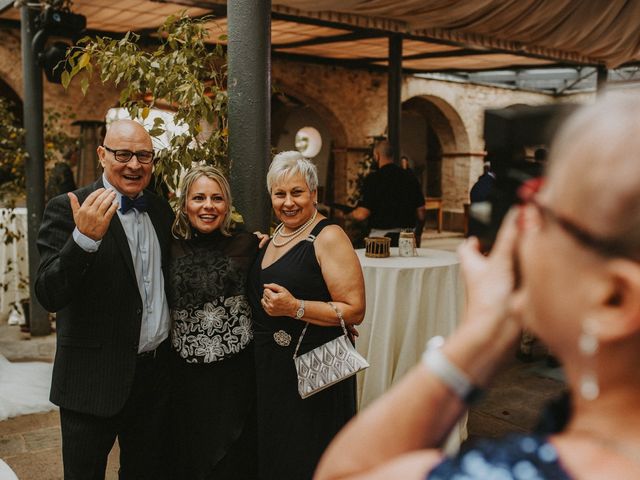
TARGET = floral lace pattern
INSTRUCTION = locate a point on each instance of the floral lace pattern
(218, 329)
(210, 311)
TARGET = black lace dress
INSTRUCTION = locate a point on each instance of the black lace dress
(293, 433)
(213, 380)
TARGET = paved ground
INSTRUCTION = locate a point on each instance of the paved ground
(30, 444)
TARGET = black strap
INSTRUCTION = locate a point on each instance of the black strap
(318, 228)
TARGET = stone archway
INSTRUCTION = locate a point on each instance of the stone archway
(292, 110)
(437, 143)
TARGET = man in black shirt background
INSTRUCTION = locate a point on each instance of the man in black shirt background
(391, 198)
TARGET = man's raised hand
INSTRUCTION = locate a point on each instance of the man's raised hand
(94, 215)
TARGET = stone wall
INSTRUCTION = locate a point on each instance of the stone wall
(356, 102)
(353, 103)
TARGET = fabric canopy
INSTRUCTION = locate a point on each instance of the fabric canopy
(604, 31)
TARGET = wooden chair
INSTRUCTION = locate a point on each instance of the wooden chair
(435, 203)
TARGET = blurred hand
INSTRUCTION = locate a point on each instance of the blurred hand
(277, 301)
(490, 280)
(94, 215)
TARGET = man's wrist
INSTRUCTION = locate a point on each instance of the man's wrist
(86, 243)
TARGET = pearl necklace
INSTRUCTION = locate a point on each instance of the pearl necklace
(291, 236)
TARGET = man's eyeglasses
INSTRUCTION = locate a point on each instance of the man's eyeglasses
(609, 247)
(123, 156)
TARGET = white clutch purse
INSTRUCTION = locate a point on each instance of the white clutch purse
(327, 364)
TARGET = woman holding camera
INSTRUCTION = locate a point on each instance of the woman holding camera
(575, 244)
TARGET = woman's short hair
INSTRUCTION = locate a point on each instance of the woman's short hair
(181, 227)
(291, 163)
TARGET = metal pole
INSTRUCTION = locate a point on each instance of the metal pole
(249, 84)
(34, 164)
(394, 95)
(601, 82)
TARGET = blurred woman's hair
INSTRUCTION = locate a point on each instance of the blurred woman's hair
(181, 227)
(605, 137)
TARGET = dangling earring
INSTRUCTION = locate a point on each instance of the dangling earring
(588, 346)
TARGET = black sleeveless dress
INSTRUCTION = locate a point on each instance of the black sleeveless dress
(293, 433)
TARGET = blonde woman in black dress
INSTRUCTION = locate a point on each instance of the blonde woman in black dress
(213, 373)
(308, 263)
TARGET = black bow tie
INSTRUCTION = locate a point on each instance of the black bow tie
(139, 203)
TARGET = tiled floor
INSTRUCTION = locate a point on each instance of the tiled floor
(30, 444)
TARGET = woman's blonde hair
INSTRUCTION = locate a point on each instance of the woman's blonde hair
(181, 227)
(291, 163)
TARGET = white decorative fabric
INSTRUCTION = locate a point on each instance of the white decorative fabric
(6, 473)
(14, 264)
(24, 388)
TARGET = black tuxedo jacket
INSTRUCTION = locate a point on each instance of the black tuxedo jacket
(98, 306)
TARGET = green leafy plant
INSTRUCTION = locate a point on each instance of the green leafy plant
(182, 73)
(12, 153)
(57, 142)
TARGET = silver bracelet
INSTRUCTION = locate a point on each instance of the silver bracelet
(454, 378)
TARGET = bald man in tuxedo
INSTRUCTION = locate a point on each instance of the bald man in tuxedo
(102, 250)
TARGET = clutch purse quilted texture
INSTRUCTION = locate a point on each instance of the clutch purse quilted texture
(327, 364)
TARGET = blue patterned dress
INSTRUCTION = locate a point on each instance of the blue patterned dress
(514, 457)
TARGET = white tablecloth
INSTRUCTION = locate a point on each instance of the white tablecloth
(14, 263)
(409, 300)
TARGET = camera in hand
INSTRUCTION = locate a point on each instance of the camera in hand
(516, 140)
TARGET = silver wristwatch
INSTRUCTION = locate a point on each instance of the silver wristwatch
(300, 311)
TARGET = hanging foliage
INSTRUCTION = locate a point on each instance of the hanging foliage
(182, 73)
(57, 143)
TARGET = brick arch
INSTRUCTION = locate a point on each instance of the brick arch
(337, 182)
(337, 129)
(450, 166)
(444, 119)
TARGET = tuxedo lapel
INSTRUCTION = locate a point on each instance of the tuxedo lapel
(120, 238)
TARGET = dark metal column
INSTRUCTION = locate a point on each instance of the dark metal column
(249, 88)
(34, 165)
(603, 74)
(394, 95)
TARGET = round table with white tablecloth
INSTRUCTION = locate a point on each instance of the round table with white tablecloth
(409, 300)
